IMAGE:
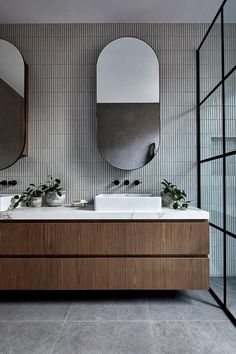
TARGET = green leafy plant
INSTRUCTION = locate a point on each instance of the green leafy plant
(25, 198)
(52, 185)
(178, 196)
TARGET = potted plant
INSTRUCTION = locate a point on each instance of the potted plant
(31, 197)
(171, 194)
(54, 193)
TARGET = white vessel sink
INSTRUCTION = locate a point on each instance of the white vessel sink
(127, 202)
(5, 201)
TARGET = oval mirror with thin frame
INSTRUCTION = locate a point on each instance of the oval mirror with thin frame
(128, 108)
(12, 104)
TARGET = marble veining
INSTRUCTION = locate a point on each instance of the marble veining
(88, 213)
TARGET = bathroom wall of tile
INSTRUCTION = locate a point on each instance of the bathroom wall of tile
(62, 106)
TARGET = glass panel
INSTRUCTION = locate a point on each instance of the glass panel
(229, 35)
(230, 112)
(231, 274)
(210, 60)
(211, 125)
(231, 193)
(216, 262)
(212, 190)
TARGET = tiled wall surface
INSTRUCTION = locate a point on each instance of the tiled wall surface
(62, 106)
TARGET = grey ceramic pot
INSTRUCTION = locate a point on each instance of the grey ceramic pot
(167, 199)
(36, 202)
(54, 200)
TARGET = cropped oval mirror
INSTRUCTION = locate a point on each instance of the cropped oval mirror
(12, 104)
(128, 109)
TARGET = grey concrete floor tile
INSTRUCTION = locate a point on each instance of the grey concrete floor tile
(184, 305)
(105, 338)
(34, 310)
(206, 304)
(217, 287)
(186, 337)
(28, 338)
(109, 309)
(218, 290)
(230, 282)
(225, 335)
(231, 303)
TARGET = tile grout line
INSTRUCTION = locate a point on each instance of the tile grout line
(150, 324)
(59, 333)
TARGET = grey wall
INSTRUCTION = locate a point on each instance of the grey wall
(62, 115)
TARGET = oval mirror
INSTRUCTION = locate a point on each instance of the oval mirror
(128, 109)
(12, 104)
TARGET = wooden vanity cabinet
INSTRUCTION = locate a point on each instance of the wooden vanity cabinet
(99, 255)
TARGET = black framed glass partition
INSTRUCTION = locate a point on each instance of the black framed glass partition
(216, 140)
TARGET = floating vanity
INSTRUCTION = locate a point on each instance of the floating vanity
(70, 249)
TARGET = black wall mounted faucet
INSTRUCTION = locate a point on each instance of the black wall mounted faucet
(116, 182)
(9, 183)
(12, 183)
(137, 182)
(126, 182)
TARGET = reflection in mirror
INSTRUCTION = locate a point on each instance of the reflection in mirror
(12, 104)
(128, 111)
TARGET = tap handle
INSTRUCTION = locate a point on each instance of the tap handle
(126, 182)
(116, 182)
(137, 182)
(3, 183)
(12, 183)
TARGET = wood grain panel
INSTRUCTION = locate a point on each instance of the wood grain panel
(141, 238)
(61, 273)
(102, 273)
(167, 273)
(22, 238)
(93, 273)
(85, 238)
(104, 238)
(172, 238)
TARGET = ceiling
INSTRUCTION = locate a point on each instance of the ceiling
(63, 11)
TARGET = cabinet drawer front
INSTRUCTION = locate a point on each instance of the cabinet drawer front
(104, 238)
(128, 238)
(167, 273)
(61, 273)
(103, 273)
(22, 238)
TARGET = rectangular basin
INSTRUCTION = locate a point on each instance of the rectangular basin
(5, 201)
(127, 202)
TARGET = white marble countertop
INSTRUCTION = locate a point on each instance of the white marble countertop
(88, 213)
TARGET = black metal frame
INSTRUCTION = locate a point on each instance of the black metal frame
(222, 156)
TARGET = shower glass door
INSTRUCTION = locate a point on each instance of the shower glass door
(216, 121)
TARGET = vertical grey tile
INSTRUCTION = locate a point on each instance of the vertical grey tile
(62, 105)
